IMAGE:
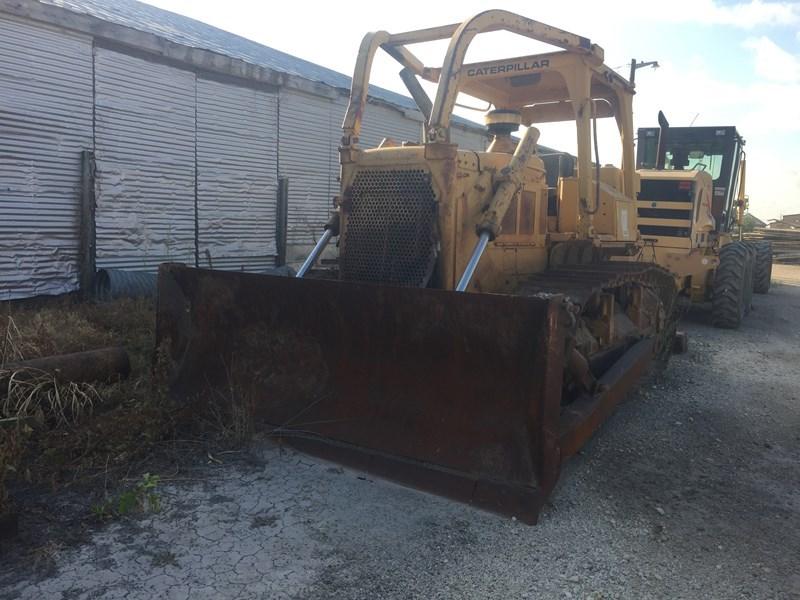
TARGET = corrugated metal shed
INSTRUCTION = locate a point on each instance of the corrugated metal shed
(45, 123)
(381, 121)
(237, 175)
(471, 139)
(196, 34)
(308, 136)
(145, 152)
(189, 136)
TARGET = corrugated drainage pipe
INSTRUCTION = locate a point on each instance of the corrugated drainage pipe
(110, 284)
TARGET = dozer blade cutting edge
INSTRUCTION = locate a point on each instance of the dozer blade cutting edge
(457, 394)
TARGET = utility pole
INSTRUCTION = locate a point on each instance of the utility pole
(640, 65)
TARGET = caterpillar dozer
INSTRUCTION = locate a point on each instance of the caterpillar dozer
(476, 330)
(691, 208)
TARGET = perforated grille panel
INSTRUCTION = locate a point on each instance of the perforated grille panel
(390, 231)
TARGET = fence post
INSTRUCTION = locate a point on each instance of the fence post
(282, 220)
(88, 232)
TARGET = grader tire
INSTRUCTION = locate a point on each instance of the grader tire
(749, 280)
(763, 271)
(730, 282)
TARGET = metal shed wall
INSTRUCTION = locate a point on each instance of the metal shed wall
(382, 121)
(308, 142)
(145, 152)
(237, 175)
(45, 123)
(467, 139)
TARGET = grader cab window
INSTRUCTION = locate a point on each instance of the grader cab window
(688, 158)
(711, 149)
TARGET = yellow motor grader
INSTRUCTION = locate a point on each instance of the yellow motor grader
(691, 207)
(476, 331)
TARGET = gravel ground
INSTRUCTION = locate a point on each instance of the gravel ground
(691, 490)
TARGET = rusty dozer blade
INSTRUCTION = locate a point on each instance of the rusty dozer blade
(457, 394)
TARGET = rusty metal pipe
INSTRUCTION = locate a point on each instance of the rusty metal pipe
(104, 364)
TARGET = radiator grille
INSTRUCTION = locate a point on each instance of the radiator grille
(672, 198)
(390, 232)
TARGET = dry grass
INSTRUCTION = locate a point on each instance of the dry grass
(53, 330)
(230, 415)
(65, 326)
(9, 349)
(10, 454)
(78, 428)
(39, 395)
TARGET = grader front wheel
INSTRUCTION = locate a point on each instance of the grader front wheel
(730, 291)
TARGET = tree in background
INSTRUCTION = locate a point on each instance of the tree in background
(751, 222)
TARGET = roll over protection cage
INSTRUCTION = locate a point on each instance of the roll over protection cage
(591, 90)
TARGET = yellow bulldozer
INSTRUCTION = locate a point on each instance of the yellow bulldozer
(480, 324)
(691, 207)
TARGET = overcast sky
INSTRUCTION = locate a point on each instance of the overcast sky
(722, 62)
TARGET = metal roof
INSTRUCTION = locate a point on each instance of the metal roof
(196, 34)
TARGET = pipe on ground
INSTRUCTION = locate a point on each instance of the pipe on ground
(104, 364)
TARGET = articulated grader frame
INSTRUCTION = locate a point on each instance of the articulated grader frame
(691, 209)
(478, 331)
